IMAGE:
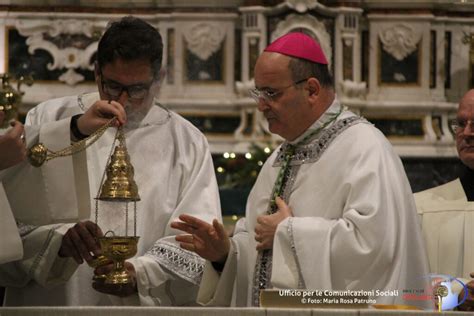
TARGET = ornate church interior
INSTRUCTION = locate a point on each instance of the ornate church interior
(403, 65)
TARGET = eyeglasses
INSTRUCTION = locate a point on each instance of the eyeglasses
(270, 95)
(460, 125)
(115, 89)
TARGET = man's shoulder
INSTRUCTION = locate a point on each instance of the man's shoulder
(451, 191)
(53, 109)
(362, 135)
(185, 126)
(59, 102)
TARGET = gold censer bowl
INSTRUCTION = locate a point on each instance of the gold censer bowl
(118, 249)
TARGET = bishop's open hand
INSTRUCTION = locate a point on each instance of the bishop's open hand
(267, 225)
(208, 241)
(80, 242)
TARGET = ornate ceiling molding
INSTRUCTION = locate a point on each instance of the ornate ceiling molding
(400, 40)
(71, 44)
(204, 39)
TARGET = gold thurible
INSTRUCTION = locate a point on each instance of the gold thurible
(10, 98)
(119, 186)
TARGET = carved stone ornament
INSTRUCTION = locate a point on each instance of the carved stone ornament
(243, 87)
(71, 43)
(354, 90)
(400, 40)
(294, 21)
(301, 6)
(204, 39)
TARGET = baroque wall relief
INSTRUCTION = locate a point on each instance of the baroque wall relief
(71, 43)
(399, 54)
(204, 55)
(315, 28)
(400, 40)
(301, 6)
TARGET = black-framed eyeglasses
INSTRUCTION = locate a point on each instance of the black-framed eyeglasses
(114, 89)
(459, 125)
(270, 95)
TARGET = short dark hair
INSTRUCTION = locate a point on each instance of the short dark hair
(131, 38)
(302, 68)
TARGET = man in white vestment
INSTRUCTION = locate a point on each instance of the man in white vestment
(172, 168)
(12, 152)
(331, 208)
(447, 211)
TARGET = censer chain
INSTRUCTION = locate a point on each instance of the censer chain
(81, 145)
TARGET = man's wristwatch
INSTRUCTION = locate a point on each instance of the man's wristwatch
(218, 266)
(75, 130)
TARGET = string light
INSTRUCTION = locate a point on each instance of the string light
(226, 155)
(220, 169)
(232, 155)
(266, 150)
(248, 155)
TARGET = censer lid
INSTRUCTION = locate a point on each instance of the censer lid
(119, 185)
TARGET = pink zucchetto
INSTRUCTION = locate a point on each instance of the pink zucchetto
(298, 45)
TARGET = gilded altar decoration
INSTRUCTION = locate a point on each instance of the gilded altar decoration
(10, 99)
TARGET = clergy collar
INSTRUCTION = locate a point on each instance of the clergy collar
(467, 181)
(333, 109)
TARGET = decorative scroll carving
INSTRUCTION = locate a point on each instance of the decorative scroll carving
(301, 6)
(317, 28)
(243, 87)
(352, 89)
(204, 39)
(71, 43)
(400, 40)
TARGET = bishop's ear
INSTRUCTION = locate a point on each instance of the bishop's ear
(314, 87)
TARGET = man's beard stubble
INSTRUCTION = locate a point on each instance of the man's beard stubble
(136, 114)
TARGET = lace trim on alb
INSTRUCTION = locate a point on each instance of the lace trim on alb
(183, 263)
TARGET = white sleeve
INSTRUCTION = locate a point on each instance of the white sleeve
(167, 274)
(59, 190)
(10, 244)
(40, 262)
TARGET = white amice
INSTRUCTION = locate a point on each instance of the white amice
(447, 220)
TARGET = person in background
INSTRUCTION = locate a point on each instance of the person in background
(447, 211)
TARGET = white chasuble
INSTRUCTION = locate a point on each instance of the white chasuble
(354, 224)
(10, 243)
(39, 196)
(174, 174)
(447, 220)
